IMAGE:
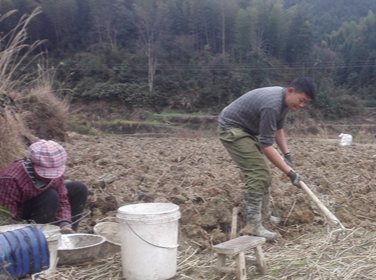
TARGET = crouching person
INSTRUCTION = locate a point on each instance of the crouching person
(33, 188)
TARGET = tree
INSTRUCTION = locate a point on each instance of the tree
(274, 31)
(228, 11)
(243, 27)
(108, 18)
(62, 14)
(299, 39)
(367, 74)
(151, 21)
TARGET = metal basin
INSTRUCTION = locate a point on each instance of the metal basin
(79, 247)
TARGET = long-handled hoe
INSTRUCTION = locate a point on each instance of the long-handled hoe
(333, 219)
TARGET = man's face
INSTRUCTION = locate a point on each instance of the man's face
(296, 100)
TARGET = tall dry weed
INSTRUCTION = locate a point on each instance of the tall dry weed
(15, 53)
(38, 110)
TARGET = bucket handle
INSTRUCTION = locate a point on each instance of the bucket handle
(82, 217)
(163, 247)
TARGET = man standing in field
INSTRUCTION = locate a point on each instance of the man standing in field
(248, 128)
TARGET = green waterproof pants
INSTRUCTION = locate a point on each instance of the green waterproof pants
(245, 151)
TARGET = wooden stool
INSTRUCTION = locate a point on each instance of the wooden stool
(236, 247)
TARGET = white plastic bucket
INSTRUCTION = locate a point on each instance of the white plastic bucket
(149, 240)
(53, 240)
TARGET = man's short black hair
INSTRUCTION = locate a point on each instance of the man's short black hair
(306, 85)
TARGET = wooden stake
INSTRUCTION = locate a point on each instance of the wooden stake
(234, 223)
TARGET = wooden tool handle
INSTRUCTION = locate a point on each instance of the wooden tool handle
(320, 205)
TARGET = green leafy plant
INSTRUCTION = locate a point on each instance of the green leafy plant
(5, 215)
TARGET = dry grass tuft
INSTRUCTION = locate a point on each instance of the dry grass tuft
(12, 145)
(45, 113)
(311, 256)
(315, 257)
(109, 269)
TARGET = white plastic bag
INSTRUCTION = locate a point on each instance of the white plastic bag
(346, 139)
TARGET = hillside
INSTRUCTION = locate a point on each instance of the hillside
(327, 16)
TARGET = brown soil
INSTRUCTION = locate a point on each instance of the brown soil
(198, 175)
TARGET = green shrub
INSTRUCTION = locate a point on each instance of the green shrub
(369, 103)
(137, 95)
(337, 107)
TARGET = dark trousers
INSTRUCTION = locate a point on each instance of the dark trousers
(42, 209)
